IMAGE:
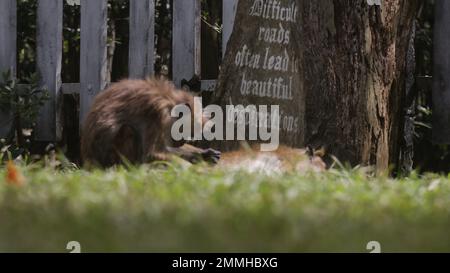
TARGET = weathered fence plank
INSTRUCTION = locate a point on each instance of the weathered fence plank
(186, 47)
(49, 57)
(142, 38)
(441, 78)
(228, 15)
(93, 62)
(8, 30)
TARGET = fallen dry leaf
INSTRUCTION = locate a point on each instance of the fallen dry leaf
(13, 175)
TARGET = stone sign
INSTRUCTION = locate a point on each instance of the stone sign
(262, 64)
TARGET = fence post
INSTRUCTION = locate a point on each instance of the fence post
(441, 78)
(49, 57)
(93, 59)
(186, 47)
(142, 38)
(228, 15)
(8, 32)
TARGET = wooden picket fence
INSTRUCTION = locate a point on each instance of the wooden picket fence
(93, 60)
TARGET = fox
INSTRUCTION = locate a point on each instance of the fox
(284, 159)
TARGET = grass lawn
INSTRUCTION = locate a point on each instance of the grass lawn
(205, 210)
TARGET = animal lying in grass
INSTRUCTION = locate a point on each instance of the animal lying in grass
(130, 122)
(284, 159)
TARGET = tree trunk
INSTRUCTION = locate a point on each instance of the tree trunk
(350, 85)
(356, 81)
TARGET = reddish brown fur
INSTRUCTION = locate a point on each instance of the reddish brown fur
(286, 159)
(131, 120)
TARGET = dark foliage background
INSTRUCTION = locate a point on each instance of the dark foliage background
(428, 157)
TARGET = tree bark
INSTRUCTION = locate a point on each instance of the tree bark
(350, 84)
(359, 52)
